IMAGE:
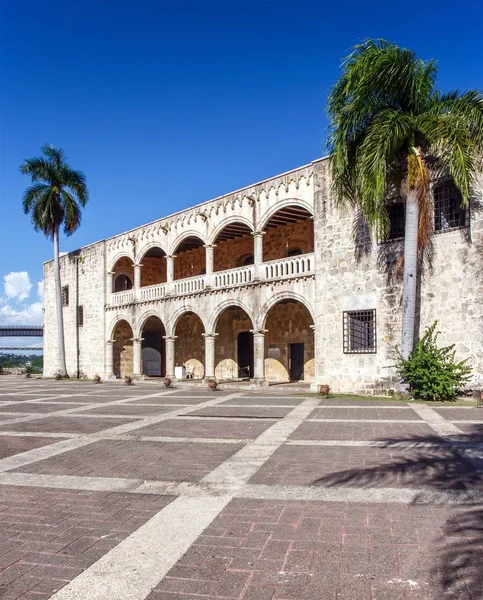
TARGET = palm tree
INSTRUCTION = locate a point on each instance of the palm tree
(54, 200)
(390, 126)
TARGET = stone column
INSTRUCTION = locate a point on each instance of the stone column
(209, 355)
(169, 273)
(109, 374)
(319, 372)
(137, 354)
(210, 256)
(110, 283)
(137, 281)
(259, 357)
(258, 253)
(170, 348)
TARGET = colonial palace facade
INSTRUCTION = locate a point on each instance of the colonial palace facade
(270, 283)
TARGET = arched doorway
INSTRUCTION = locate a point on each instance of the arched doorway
(123, 277)
(288, 232)
(289, 343)
(153, 348)
(190, 345)
(234, 345)
(123, 350)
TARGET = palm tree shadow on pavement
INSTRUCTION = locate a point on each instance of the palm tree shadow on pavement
(445, 475)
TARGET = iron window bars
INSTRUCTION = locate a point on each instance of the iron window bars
(359, 329)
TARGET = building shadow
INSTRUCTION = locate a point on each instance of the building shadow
(433, 465)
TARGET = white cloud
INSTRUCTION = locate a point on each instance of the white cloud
(31, 314)
(17, 285)
(13, 308)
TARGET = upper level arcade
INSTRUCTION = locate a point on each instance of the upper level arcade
(258, 234)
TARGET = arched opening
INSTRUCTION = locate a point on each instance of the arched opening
(234, 244)
(288, 232)
(122, 283)
(234, 345)
(154, 267)
(190, 345)
(190, 258)
(289, 343)
(123, 350)
(153, 348)
(123, 275)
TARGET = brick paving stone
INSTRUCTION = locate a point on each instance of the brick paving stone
(461, 414)
(65, 425)
(232, 411)
(57, 559)
(348, 401)
(398, 414)
(264, 401)
(364, 431)
(471, 432)
(136, 459)
(376, 552)
(205, 429)
(368, 467)
(10, 445)
(171, 399)
(127, 410)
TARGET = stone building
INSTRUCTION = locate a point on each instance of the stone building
(270, 283)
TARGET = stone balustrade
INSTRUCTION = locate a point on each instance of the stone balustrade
(121, 298)
(153, 292)
(286, 268)
(231, 277)
(189, 286)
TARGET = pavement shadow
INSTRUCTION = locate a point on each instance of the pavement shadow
(456, 570)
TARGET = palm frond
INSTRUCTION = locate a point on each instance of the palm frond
(468, 106)
(72, 213)
(32, 194)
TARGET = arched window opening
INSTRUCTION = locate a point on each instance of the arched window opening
(122, 283)
(294, 252)
(245, 260)
(190, 258)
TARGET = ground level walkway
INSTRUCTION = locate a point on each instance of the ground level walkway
(115, 492)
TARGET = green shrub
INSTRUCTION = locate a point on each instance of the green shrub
(431, 372)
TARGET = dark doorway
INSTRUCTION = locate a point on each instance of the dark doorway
(296, 364)
(245, 354)
(153, 354)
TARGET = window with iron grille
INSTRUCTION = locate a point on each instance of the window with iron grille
(396, 211)
(80, 316)
(360, 332)
(65, 295)
(448, 212)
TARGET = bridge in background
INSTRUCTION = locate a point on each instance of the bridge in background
(12, 331)
(21, 331)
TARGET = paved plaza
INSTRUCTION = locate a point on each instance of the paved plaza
(115, 492)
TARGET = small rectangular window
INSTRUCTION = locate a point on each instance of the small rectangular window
(360, 332)
(396, 211)
(80, 316)
(448, 212)
(65, 295)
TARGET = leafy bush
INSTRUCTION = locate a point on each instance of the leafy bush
(431, 372)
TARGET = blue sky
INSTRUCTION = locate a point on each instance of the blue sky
(167, 104)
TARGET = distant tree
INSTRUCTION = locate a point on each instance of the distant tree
(390, 125)
(54, 201)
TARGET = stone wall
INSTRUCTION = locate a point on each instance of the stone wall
(85, 274)
(354, 272)
(153, 270)
(190, 263)
(279, 240)
(288, 323)
(190, 345)
(230, 253)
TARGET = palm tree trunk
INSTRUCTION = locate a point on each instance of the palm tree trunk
(58, 302)
(410, 279)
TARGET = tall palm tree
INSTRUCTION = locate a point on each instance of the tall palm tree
(389, 125)
(54, 201)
